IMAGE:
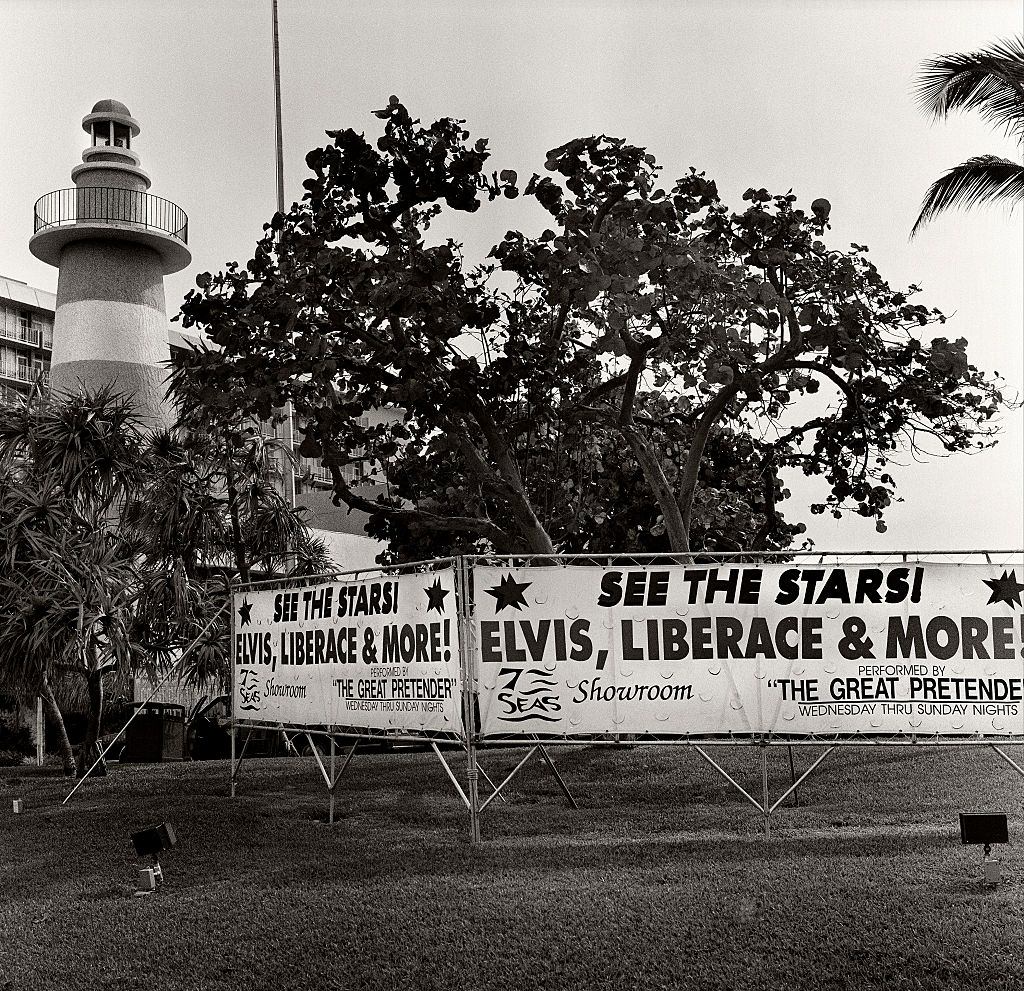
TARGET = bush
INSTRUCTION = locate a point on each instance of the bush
(15, 743)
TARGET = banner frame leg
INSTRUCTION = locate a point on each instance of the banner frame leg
(330, 790)
(464, 631)
(1009, 760)
(793, 787)
(454, 780)
(236, 765)
(497, 791)
(558, 777)
(764, 792)
(728, 777)
(483, 773)
(318, 758)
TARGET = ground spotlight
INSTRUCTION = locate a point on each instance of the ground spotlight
(984, 829)
(151, 842)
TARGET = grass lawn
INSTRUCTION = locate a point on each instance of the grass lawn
(662, 879)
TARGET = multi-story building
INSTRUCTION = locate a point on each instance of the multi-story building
(26, 343)
(26, 338)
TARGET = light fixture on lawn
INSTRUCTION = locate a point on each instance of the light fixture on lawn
(151, 842)
(984, 829)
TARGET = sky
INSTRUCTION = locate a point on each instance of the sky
(812, 95)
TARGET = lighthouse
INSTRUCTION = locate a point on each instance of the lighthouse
(112, 242)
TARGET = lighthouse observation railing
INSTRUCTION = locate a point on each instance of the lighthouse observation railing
(108, 204)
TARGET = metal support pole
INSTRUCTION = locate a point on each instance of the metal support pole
(799, 780)
(792, 778)
(454, 780)
(558, 777)
(462, 582)
(764, 792)
(497, 791)
(1008, 760)
(348, 757)
(334, 781)
(318, 758)
(234, 734)
(483, 773)
(236, 767)
(40, 733)
(117, 736)
(728, 777)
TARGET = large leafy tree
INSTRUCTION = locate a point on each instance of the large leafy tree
(989, 82)
(649, 334)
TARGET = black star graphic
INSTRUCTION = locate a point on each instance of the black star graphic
(509, 593)
(243, 611)
(1006, 589)
(435, 596)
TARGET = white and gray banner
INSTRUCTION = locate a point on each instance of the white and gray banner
(380, 653)
(917, 648)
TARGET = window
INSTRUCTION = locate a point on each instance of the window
(122, 136)
(27, 331)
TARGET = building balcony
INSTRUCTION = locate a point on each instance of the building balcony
(29, 337)
(19, 373)
(105, 212)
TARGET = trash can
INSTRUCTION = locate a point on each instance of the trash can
(156, 734)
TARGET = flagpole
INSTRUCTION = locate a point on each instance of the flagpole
(277, 114)
(289, 433)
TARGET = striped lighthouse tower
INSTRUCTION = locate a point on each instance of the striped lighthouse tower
(113, 243)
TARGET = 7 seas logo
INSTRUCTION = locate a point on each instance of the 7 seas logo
(528, 695)
(249, 689)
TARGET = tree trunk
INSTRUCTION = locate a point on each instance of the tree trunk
(67, 755)
(90, 749)
(236, 529)
(691, 467)
(654, 474)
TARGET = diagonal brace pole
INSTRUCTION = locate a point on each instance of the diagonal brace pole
(485, 775)
(728, 777)
(558, 777)
(1008, 759)
(497, 791)
(796, 784)
(236, 765)
(348, 758)
(319, 760)
(454, 780)
(160, 684)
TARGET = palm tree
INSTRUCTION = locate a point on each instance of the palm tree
(117, 546)
(991, 82)
(69, 577)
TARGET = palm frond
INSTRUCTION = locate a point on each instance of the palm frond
(990, 81)
(978, 180)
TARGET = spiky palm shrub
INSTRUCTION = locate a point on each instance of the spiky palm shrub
(69, 576)
(119, 546)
